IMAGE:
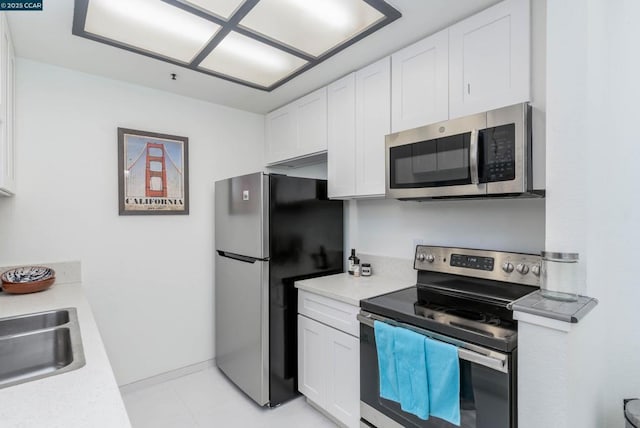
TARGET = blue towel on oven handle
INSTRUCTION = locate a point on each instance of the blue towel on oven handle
(411, 368)
(388, 379)
(443, 369)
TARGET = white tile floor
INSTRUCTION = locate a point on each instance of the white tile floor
(208, 399)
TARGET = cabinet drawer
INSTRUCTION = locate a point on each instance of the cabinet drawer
(328, 311)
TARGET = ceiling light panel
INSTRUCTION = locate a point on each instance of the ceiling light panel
(150, 25)
(259, 43)
(247, 59)
(314, 27)
(222, 8)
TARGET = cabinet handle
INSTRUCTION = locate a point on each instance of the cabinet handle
(469, 88)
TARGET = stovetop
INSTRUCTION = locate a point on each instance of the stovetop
(463, 294)
(481, 328)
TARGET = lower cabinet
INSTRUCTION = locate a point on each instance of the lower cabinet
(329, 369)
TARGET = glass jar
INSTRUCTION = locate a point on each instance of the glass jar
(365, 269)
(559, 276)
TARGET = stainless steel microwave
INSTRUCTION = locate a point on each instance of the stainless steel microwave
(483, 155)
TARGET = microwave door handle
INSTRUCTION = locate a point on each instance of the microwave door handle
(473, 157)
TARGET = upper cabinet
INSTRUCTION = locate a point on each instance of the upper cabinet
(297, 130)
(281, 138)
(311, 111)
(420, 83)
(341, 149)
(479, 64)
(7, 112)
(359, 119)
(373, 123)
(489, 59)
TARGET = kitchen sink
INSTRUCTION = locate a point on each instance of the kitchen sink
(38, 345)
(31, 322)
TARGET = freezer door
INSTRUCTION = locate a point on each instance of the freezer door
(241, 323)
(241, 222)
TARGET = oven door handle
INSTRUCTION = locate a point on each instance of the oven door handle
(473, 157)
(488, 358)
(483, 360)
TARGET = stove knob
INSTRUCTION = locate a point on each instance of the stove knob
(430, 258)
(535, 269)
(507, 267)
(420, 257)
(522, 268)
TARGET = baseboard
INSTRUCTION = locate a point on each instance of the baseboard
(325, 413)
(163, 377)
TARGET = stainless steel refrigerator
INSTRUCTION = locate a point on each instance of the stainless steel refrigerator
(270, 230)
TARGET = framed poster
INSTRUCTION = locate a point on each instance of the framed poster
(153, 173)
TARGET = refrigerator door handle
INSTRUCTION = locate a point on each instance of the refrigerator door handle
(240, 258)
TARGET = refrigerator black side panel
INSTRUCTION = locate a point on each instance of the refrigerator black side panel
(306, 231)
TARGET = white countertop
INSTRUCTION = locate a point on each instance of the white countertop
(86, 397)
(350, 289)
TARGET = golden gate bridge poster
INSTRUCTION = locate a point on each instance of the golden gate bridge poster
(153, 174)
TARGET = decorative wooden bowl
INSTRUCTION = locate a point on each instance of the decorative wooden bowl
(27, 279)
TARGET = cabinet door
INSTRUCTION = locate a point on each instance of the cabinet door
(311, 114)
(373, 122)
(343, 392)
(312, 371)
(420, 83)
(7, 142)
(489, 59)
(281, 130)
(341, 150)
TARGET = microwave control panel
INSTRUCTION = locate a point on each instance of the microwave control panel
(499, 144)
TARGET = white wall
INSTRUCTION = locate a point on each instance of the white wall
(149, 278)
(391, 228)
(613, 221)
(592, 208)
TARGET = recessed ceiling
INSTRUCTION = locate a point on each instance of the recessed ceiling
(258, 43)
(45, 36)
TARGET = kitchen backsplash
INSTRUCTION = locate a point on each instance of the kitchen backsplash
(391, 267)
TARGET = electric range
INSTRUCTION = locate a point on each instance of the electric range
(462, 297)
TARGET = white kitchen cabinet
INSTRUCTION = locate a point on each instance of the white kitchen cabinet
(420, 83)
(343, 381)
(359, 111)
(312, 342)
(489, 59)
(373, 123)
(341, 146)
(329, 356)
(7, 111)
(281, 138)
(298, 129)
(312, 122)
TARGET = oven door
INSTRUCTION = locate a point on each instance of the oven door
(487, 385)
(436, 161)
